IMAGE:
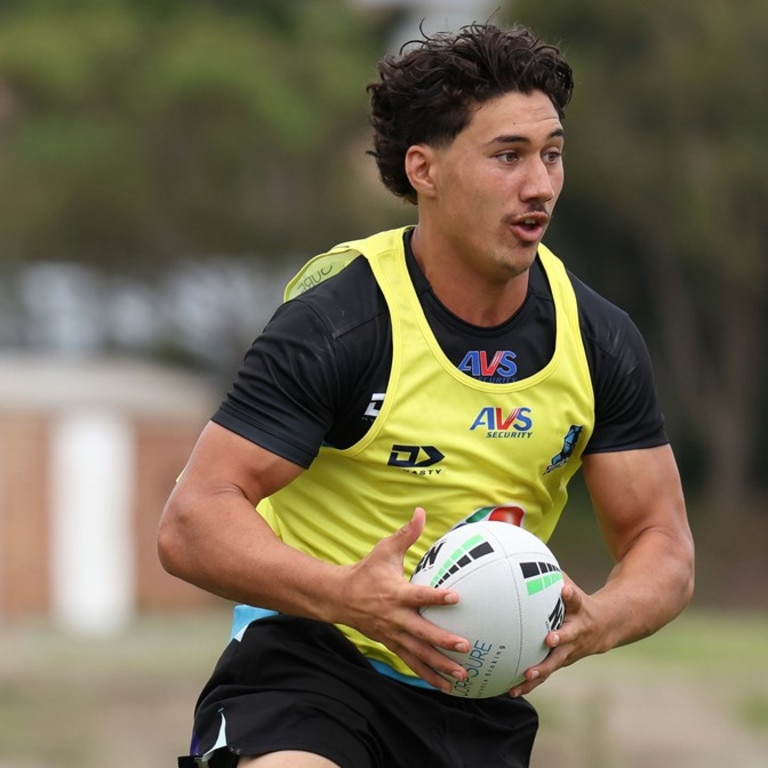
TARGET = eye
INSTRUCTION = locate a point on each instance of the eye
(508, 156)
(552, 156)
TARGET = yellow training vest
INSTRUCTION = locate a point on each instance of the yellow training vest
(457, 446)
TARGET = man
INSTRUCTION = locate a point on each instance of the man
(412, 379)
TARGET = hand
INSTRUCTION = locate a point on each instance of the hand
(384, 605)
(578, 637)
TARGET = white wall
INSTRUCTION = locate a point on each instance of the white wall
(91, 530)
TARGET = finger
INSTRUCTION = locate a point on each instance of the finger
(421, 596)
(405, 537)
(536, 675)
(570, 594)
(573, 600)
(411, 531)
(541, 671)
(428, 674)
(433, 666)
(525, 688)
(435, 636)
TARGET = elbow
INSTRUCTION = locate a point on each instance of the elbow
(170, 542)
(690, 581)
(687, 574)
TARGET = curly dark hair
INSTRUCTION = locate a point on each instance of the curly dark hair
(427, 92)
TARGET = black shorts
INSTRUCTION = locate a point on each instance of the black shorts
(297, 684)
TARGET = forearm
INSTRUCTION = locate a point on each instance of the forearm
(222, 545)
(648, 588)
(640, 507)
(228, 549)
(211, 535)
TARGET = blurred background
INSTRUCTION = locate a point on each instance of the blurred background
(166, 165)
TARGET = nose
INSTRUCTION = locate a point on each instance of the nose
(538, 183)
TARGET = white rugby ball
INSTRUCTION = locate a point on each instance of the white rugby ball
(509, 586)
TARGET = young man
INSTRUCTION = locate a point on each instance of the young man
(411, 379)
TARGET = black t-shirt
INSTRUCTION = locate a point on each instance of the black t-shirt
(320, 368)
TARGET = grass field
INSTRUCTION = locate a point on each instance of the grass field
(696, 694)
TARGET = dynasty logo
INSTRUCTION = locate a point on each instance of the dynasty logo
(416, 459)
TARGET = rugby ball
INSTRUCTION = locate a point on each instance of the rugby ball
(509, 586)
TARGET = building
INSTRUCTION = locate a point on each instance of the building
(89, 451)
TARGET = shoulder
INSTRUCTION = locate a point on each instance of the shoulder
(602, 321)
(627, 411)
(328, 334)
(607, 329)
(348, 301)
(302, 371)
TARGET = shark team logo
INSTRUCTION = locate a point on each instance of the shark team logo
(569, 445)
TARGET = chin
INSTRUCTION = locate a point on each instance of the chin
(520, 260)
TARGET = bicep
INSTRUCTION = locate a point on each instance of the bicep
(634, 492)
(222, 462)
(209, 522)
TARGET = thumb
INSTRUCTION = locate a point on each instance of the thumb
(405, 537)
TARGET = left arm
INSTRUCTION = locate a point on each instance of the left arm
(639, 504)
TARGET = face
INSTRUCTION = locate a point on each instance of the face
(489, 195)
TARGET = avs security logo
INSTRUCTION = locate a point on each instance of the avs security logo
(500, 368)
(500, 423)
(473, 548)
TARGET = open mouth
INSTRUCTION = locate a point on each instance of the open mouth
(530, 228)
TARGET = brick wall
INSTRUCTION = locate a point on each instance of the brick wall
(158, 413)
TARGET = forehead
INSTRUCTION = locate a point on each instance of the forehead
(528, 115)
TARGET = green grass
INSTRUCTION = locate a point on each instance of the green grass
(703, 642)
(73, 702)
(730, 649)
(694, 695)
(755, 712)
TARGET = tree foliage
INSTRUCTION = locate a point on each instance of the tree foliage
(134, 130)
(667, 178)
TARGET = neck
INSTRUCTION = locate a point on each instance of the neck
(481, 298)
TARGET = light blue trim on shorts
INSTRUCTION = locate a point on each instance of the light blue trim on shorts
(245, 614)
(388, 671)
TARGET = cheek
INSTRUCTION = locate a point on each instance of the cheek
(469, 196)
(558, 180)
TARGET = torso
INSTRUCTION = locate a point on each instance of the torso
(392, 402)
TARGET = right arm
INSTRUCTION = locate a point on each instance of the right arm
(211, 535)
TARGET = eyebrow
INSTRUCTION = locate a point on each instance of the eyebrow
(514, 139)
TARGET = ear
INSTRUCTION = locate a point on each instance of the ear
(420, 166)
